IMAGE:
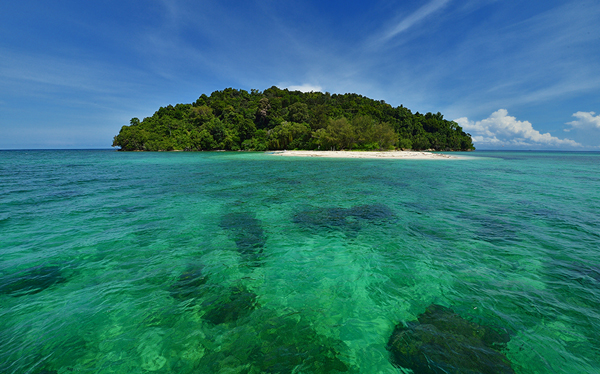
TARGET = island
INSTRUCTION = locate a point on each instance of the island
(280, 119)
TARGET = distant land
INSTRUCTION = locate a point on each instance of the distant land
(277, 119)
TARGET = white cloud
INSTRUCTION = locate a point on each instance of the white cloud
(306, 88)
(500, 129)
(586, 120)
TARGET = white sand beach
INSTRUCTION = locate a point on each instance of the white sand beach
(413, 155)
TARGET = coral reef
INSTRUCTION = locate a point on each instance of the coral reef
(443, 342)
(31, 280)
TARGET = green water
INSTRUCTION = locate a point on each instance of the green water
(245, 263)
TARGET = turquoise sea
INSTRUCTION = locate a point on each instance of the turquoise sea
(232, 262)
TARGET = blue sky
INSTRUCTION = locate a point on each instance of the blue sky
(514, 74)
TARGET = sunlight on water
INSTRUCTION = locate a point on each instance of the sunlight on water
(243, 263)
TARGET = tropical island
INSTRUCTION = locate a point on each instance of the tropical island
(280, 119)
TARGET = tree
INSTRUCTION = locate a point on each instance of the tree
(289, 135)
(339, 134)
(203, 140)
(298, 112)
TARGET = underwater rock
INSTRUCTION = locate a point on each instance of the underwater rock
(267, 343)
(246, 231)
(493, 228)
(31, 281)
(220, 304)
(293, 346)
(345, 218)
(372, 212)
(228, 304)
(322, 217)
(189, 284)
(442, 342)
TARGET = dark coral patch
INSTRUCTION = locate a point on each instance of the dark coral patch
(31, 281)
(267, 343)
(289, 345)
(246, 231)
(227, 305)
(372, 212)
(190, 284)
(349, 219)
(443, 342)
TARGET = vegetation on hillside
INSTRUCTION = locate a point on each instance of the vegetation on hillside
(275, 119)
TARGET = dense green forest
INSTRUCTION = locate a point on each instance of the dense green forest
(234, 119)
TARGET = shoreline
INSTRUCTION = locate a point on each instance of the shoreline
(393, 155)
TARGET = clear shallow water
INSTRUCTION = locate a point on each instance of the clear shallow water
(227, 262)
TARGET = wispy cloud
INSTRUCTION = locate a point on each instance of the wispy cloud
(500, 129)
(404, 23)
(519, 61)
(54, 77)
(47, 71)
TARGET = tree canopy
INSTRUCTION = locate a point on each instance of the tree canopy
(277, 119)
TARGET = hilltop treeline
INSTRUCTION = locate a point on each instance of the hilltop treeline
(234, 119)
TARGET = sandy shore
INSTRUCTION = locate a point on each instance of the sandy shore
(413, 155)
